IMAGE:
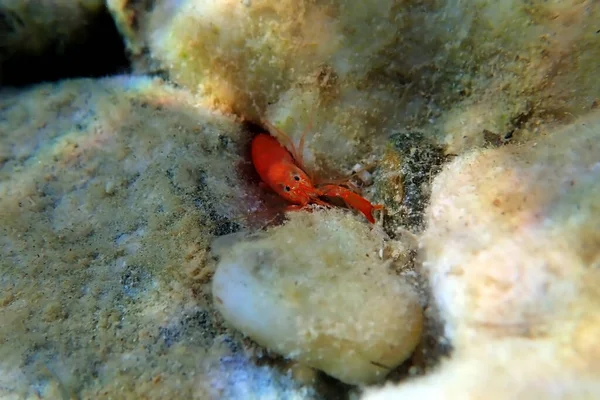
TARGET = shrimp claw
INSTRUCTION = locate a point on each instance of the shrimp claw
(352, 200)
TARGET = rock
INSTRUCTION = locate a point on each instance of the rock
(111, 190)
(110, 193)
(512, 247)
(511, 368)
(512, 230)
(315, 290)
(454, 70)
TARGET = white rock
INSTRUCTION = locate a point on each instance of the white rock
(315, 291)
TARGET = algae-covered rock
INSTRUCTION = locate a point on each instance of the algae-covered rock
(513, 231)
(512, 247)
(511, 368)
(316, 290)
(527, 63)
(129, 20)
(291, 62)
(457, 70)
(110, 193)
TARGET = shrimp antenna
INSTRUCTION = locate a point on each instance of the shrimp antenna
(281, 136)
(300, 159)
(300, 153)
(297, 152)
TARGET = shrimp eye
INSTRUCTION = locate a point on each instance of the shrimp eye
(296, 177)
(287, 188)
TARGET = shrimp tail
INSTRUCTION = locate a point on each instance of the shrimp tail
(352, 200)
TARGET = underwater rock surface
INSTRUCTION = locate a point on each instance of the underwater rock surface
(454, 69)
(513, 250)
(316, 290)
(110, 192)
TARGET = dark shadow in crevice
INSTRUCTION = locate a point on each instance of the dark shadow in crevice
(102, 53)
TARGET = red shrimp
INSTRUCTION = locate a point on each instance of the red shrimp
(286, 175)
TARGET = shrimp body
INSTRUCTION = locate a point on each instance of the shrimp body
(280, 171)
(277, 169)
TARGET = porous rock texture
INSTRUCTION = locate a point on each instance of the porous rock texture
(459, 71)
(513, 252)
(110, 192)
